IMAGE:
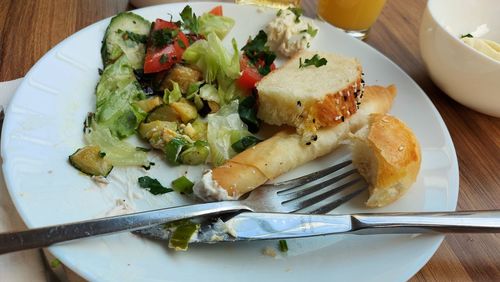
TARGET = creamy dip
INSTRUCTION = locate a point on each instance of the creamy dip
(289, 33)
(209, 190)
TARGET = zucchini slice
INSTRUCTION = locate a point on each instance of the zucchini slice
(127, 34)
(90, 160)
(163, 113)
(149, 104)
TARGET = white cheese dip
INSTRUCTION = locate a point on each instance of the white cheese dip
(289, 34)
(209, 190)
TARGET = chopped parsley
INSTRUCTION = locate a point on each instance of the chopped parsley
(129, 35)
(310, 30)
(316, 61)
(279, 13)
(162, 37)
(244, 143)
(247, 110)
(297, 12)
(181, 44)
(466, 35)
(189, 20)
(163, 58)
(259, 54)
(283, 246)
(153, 185)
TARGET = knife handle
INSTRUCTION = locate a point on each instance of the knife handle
(442, 222)
(46, 236)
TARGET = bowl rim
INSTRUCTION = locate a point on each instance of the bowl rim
(456, 39)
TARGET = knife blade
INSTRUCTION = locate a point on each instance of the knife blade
(248, 226)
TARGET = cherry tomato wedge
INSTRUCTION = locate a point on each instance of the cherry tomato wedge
(216, 11)
(249, 73)
(162, 58)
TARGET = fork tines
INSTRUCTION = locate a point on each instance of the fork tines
(322, 191)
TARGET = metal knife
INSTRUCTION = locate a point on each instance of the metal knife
(249, 226)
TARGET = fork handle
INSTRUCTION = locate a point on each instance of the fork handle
(443, 222)
(46, 236)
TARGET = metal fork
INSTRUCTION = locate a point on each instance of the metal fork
(311, 191)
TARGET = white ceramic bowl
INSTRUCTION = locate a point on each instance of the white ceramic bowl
(466, 75)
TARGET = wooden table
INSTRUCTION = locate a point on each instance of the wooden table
(29, 28)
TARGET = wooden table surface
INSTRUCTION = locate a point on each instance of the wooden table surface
(29, 28)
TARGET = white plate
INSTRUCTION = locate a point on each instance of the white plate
(44, 126)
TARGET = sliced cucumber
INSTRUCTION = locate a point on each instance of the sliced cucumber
(126, 34)
(90, 160)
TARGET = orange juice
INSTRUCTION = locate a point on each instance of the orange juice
(355, 15)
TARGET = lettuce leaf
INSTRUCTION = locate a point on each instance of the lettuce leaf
(118, 152)
(219, 25)
(213, 59)
(116, 93)
(223, 126)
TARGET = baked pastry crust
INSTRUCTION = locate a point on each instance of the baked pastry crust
(387, 154)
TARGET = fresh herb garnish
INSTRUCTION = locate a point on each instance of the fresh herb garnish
(279, 13)
(247, 110)
(297, 12)
(129, 35)
(102, 154)
(310, 30)
(189, 19)
(259, 54)
(181, 44)
(316, 61)
(466, 35)
(163, 58)
(173, 149)
(153, 185)
(245, 142)
(283, 246)
(183, 185)
(162, 37)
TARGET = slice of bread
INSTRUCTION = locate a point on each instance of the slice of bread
(387, 154)
(311, 97)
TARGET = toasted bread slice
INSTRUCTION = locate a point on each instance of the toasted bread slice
(311, 97)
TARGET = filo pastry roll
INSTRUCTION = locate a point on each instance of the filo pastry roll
(285, 151)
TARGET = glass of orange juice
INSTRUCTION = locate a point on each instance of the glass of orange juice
(353, 16)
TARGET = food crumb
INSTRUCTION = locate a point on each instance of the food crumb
(269, 251)
(101, 181)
